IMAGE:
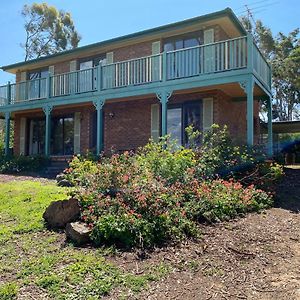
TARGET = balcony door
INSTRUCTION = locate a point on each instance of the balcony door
(181, 116)
(87, 76)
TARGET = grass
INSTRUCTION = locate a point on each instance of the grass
(34, 260)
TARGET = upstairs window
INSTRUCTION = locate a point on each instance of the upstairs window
(37, 74)
(34, 88)
(184, 41)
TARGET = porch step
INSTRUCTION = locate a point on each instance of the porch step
(56, 167)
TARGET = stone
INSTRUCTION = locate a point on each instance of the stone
(64, 183)
(61, 212)
(78, 233)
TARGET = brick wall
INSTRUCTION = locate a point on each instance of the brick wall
(130, 126)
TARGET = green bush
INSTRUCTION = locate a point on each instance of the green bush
(17, 164)
(160, 193)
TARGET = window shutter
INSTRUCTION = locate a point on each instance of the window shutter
(72, 83)
(109, 57)
(109, 71)
(155, 122)
(155, 61)
(73, 65)
(209, 36)
(51, 70)
(209, 51)
(208, 113)
(77, 119)
(23, 76)
(22, 135)
(155, 47)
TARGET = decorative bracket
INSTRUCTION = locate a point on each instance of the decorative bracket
(47, 109)
(164, 95)
(245, 84)
(99, 104)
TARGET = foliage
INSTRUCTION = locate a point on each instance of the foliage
(48, 30)
(21, 163)
(283, 52)
(79, 169)
(160, 193)
(34, 257)
(8, 291)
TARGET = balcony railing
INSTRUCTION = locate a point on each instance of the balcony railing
(184, 63)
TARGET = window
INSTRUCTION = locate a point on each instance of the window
(37, 88)
(185, 41)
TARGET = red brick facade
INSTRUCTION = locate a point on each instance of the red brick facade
(127, 124)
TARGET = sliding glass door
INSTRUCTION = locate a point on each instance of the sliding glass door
(180, 117)
(36, 136)
(62, 136)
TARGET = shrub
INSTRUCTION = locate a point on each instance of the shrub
(17, 164)
(162, 192)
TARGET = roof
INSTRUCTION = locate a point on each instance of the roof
(222, 13)
(284, 127)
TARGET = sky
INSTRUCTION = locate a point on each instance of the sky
(98, 20)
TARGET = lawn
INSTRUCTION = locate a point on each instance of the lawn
(40, 264)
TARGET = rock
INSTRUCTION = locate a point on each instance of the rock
(78, 233)
(64, 182)
(61, 212)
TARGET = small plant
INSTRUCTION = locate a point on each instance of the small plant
(8, 291)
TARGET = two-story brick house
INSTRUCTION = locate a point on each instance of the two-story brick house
(118, 93)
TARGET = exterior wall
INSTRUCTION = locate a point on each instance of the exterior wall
(127, 124)
(62, 67)
(130, 126)
(85, 125)
(133, 51)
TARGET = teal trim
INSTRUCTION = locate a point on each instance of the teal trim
(164, 97)
(270, 129)
(250, 104)
(47, 110)
(204, 80)
(99, 108)
(7, 133)
(161, 29)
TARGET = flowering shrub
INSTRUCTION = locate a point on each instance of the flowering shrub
(161, 193)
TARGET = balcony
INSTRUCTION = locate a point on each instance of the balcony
(224, 56)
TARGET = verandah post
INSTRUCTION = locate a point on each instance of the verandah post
(248, 86)
(250, 104)
(7, 133)
(99, 108)
(47, 110)
(164, 97)
(270, 130)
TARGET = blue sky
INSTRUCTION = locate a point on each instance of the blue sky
(98, 20)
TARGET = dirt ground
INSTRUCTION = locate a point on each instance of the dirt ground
(256, 257)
